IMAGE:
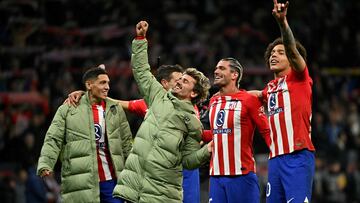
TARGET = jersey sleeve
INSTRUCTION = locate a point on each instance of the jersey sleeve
(138, 107)
(264, 95)
(207, 136)
(149, 87)
(300, 76)
(257, 114)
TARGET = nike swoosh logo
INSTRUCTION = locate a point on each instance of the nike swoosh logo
(290, 200)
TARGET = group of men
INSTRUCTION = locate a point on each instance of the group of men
(101, 163)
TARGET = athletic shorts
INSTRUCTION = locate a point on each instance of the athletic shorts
(234, 189)
(191, 186)
(291, 177)
(106, 191)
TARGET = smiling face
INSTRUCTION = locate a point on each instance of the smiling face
(224, 75)
(174, 77)
(278, 61)
(98, 88)
(184, 88)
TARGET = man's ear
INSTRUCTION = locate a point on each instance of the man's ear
(164, 83)
(88, 84)
(235, 75)
(193, 94)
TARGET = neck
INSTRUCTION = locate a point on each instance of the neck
(229, 89)
(282, 73)
(93, 100)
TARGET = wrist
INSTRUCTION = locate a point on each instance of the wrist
(140, 37)
(283, 23)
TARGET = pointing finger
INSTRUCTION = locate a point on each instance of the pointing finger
(275, 3)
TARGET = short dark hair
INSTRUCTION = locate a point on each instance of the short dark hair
(279, 40)
(165, 71)
(93, 73)
(235, 66)
(202, 85)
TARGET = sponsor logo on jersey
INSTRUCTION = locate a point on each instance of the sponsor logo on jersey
(273, 109)
(98, 131)
(220, 118)
(222, 131)
(272, 102)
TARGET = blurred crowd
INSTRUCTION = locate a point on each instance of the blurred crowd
(47, 44)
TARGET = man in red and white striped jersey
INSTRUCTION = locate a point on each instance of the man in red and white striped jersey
(234, 115)
(289, 99)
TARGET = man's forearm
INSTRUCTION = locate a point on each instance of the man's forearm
(288, 39)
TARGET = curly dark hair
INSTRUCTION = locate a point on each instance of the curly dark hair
(277, 41)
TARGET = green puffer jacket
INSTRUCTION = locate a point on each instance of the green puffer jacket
(72, 136)
(167, 140)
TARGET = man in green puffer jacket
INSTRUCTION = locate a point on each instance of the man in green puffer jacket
(93, 141)
(169, 137)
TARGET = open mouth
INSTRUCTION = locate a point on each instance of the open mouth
(217, 77)
(274, 62)
(177, 87)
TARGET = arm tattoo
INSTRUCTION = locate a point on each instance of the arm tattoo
(289, 42)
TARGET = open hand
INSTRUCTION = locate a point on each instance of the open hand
(74, 98)
(210, 146)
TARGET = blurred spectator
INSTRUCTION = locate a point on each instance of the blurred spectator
(334, 183)
(35, 188)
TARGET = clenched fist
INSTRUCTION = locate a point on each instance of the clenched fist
(141, 28)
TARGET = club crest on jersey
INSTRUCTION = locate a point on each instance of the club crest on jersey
(98, 131)
(280, 86)
(232, 105)
(220, 118)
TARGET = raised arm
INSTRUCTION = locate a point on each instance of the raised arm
(149, 87)
(296, 60)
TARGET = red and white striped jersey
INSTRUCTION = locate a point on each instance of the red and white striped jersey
(233, 119)
(289, 101)
(105, 165)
